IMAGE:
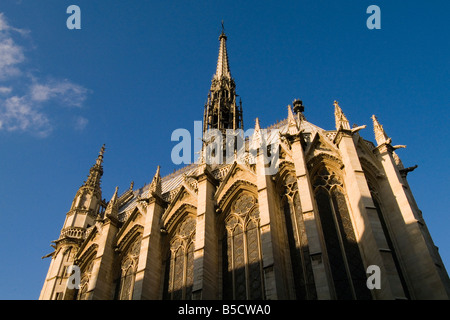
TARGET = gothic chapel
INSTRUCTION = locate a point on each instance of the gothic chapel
(336, 205)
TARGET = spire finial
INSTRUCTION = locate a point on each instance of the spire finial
(223, 68)
(96, 171)
(100, 155)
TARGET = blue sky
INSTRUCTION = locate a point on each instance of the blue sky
(138, 70)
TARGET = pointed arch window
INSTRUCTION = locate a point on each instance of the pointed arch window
(86, 272)
(378, 207)
(180, 264)
(242, 266)
(298, 243)
(128, 270)
(347, 269)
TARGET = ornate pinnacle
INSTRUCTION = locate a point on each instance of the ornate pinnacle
(256, 139)
(380, 135)
(293, 127)
(155, 185)
(257, 126)
(340, 118)
(113, 208)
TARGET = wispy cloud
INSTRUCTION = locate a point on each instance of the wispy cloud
(66, 92)
(5, 90)
(80, 123)
(19, 114)
(11, 54)
(23, 107)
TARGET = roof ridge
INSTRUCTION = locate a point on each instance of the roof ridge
(179, 171)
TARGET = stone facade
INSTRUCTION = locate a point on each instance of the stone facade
(336, 205)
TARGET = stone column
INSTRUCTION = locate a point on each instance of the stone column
(309, 212)
(51, 284)
(416, 249)
(148, 275)
(206, 260)
(101, 283)
(366, 225)
(272, 258)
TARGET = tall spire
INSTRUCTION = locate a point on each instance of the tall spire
(96, 171)
(221, 110)
(223, 67)
(88, 199)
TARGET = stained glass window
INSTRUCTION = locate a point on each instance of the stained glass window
(298, 242)
(127, 284)
(242, 252)
(129, 265)
(84, 283)
(179, 277)
(389, 239)
(344, 257)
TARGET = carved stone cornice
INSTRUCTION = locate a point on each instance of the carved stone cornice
(68, 241)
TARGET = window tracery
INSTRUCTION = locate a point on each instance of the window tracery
(180, 267)
(128, 270)
(83, 293)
